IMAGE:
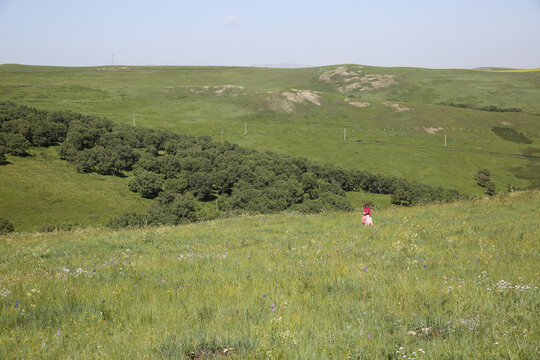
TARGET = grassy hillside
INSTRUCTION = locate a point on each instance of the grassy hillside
(441, 281)
(42, 189)
(393, 118)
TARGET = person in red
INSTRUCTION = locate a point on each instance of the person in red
(366, 219)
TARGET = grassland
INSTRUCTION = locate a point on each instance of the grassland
(380, 138)
(400, 133)
(42, 189)
(455, 281)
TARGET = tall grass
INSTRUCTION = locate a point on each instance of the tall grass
(455, 281)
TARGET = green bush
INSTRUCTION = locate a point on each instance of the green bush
(46, 228)
(482, 177)
(6, 227)
(490, 188)
(130, 219)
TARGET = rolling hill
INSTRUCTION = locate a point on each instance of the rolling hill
(392, 121)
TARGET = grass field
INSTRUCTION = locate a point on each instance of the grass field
(400, 133)
(455, 281)
(390, 136)
(42, 189)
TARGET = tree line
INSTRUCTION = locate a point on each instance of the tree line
(185, 174)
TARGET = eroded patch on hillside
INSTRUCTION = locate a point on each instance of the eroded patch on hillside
(285, 101)
(357, 103)
(219, 89)
(397, 107)
(349, 78)
(432, 130)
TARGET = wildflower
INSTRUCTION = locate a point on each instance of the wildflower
(102, 300)
(369, 336)
(58, 332)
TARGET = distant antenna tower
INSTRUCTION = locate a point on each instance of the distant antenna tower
(113, 59)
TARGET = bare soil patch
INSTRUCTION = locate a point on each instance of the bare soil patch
(432, 130)
(285, 101)
(357, 103)
(398, 107)
(351, 78)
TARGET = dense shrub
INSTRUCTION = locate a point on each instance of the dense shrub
(6, 227)
(482, 177)
(490, 188)
(483, 108)
(511, 134)
(130, 219)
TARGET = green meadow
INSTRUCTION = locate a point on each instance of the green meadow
(451, 281)
(400, 133)
(41, 190)
(391, 121)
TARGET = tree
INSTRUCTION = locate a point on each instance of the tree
(18, 126)
(147, 183)
(3, 159)
(15, 144)
(45, 133)
(176, 185)
(85, 161)
(200, 184)
(169, 166)
(173, 209)
(111, 161)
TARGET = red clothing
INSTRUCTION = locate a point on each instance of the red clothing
(367, 210)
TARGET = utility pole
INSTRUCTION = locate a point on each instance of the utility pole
(444, 140)
(221, 135)
(112, 59)
(245, 129)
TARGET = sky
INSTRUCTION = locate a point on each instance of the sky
(417, 33)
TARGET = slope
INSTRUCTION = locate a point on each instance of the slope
(42, 190)
(442, 281)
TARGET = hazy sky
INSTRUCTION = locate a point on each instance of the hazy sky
(424, 33)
